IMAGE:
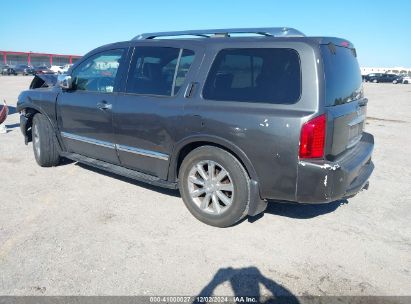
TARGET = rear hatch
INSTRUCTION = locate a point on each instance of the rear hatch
(345, 104)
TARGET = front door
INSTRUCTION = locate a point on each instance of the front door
(85, 112)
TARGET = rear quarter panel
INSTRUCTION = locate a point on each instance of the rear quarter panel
(268, 134)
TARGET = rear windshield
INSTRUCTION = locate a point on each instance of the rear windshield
(343, 81)
(261, 75)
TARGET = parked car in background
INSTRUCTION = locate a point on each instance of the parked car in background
(66, 68)
(8, 70)
(42, 70)
(57, 69)
(3, 69)
(406, 79)
(382, 77)
(24, 69)
(388, 78)
(231, 122)
(370, 77)
(398, 79)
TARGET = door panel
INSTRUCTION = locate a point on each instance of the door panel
(85, 112)
(85, 128)
(147, 116)
(144, 128)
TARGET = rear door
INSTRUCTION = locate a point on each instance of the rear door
(85, 115)
(147, 115)
(345, 104)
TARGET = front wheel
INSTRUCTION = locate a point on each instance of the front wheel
(214, 186)
(45, 145)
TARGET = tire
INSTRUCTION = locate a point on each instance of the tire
(45, 146)
(375, 81)
(221, 203)
(406, 82)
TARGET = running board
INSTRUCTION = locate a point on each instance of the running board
(136, 175)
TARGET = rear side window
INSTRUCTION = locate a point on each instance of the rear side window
(263, 75)
(158, 70)
(343, 81)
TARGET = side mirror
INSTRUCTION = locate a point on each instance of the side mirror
(65, 82)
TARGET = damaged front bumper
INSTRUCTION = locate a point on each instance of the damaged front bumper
(23, 127)
(322, 181)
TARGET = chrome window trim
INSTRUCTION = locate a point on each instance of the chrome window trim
(123, 148)
(143, 152)
(88, 140)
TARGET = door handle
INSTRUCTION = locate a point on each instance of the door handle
(190, 90)
(104, 105)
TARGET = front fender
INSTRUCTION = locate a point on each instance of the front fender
(38, 101)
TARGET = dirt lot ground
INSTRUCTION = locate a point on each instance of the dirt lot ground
(72, 230)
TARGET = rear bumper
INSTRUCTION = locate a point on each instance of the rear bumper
(325, 181)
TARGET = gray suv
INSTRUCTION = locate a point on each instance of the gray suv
(233, 118)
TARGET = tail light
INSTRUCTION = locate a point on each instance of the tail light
(312, 138)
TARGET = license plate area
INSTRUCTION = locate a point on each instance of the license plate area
(355, 130)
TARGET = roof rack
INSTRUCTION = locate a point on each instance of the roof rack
(264, 31)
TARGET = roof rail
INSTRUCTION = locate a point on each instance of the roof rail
(264, 31)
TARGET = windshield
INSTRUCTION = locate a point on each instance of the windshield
(343, 81)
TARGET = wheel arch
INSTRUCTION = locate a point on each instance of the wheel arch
(31, 110)
(187, 145)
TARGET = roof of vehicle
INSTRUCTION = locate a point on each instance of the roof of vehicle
(225, 36)
(225, 40)
(232, 35)
(267, 31)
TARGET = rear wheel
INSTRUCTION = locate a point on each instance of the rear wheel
(375, 81)
(214, 186)
(45, 145)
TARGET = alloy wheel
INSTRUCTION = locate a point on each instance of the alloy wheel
(211, 187)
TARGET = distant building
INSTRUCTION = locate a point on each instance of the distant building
(395, 70)
(36, 59)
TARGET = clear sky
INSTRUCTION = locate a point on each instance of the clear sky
(380, 29)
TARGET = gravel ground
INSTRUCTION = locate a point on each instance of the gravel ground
(72, 230)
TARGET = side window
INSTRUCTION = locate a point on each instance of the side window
(186, 60)
(264, 75)
(98, 73)
(158, 71)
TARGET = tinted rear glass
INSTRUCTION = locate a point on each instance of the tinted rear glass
(264, 75)
(343, 81)
(158, 70)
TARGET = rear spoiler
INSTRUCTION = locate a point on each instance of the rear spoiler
(335, 41)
